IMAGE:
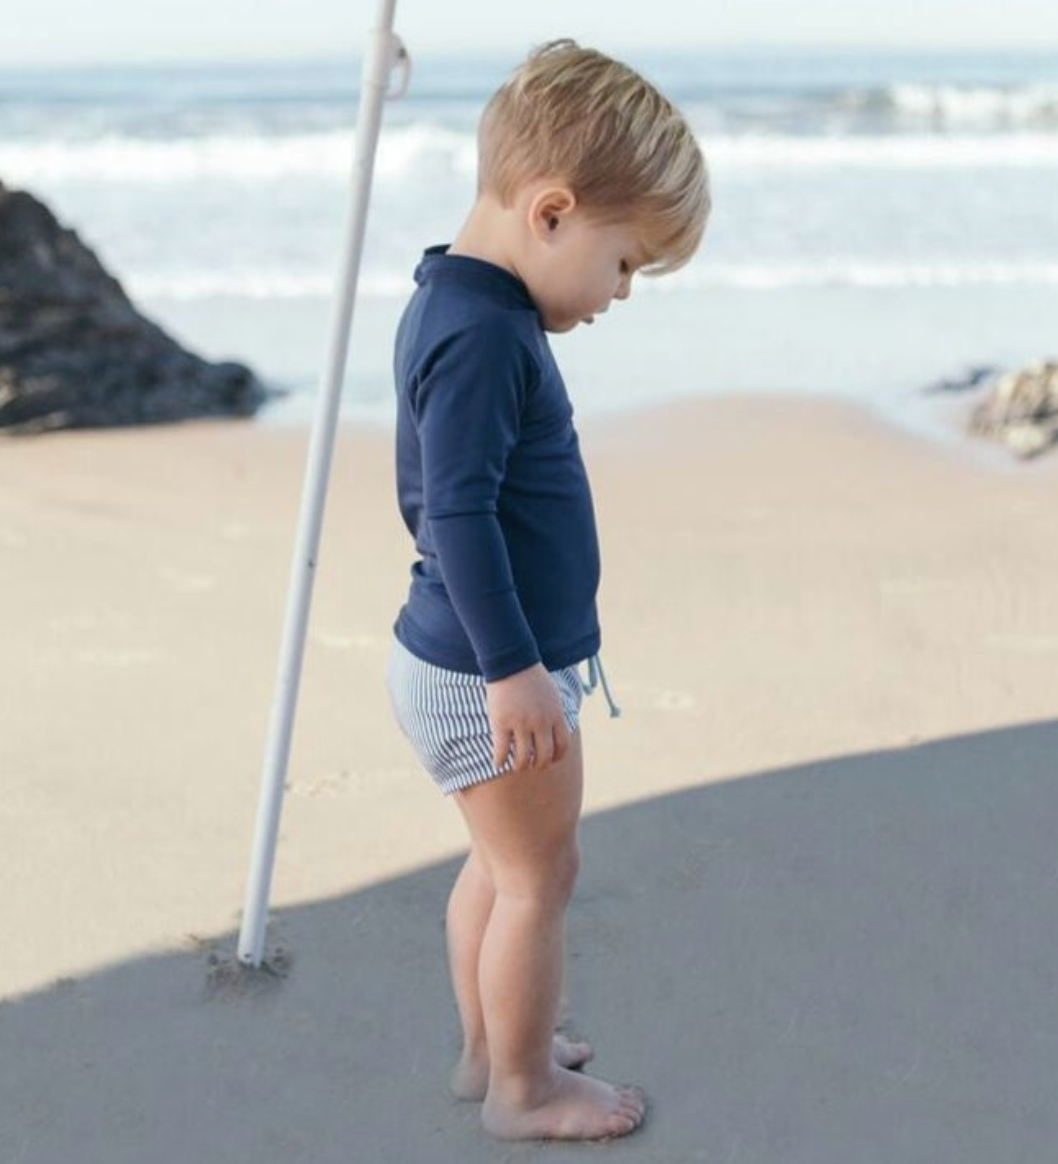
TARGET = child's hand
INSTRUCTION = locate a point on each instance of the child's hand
(525, 713)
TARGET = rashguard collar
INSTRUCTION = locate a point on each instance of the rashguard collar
(437, 263)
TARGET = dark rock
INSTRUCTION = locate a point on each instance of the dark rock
(971, 378)
(75, 352)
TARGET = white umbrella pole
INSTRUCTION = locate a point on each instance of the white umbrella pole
(386, 53)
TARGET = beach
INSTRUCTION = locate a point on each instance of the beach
(817, 908)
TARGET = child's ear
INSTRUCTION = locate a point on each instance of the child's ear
(549, 209)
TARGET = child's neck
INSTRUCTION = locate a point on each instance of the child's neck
(487, 234)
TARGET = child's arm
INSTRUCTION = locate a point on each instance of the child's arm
(524, 706)
(468, 413)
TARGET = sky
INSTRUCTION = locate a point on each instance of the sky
(157, 31)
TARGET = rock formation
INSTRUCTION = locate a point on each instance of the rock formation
(75, 352)
(1021, 410)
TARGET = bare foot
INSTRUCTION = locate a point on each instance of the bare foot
(470, 1079)
(576, 1107)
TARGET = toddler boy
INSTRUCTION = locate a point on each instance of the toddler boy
(587, 175)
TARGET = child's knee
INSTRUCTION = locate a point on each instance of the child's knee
(546, 876)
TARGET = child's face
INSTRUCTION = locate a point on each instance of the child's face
(582, 266)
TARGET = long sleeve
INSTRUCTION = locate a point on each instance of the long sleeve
(468, 405)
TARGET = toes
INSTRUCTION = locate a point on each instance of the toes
(622, 1124)
(633, 1103)
(630, 1113)
(623, 1127)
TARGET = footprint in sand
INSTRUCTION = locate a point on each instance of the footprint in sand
(327, 784)
(674, 701)
(187, 583)
(345, 642)
(332, 784)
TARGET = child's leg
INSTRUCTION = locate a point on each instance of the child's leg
(469, 908)
(524, 828)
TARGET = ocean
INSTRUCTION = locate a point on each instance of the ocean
(882, 221)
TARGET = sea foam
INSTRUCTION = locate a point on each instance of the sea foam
(426, 151)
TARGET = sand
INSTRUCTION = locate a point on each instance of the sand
(817, 912)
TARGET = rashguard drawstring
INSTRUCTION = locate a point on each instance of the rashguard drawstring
(597, 675)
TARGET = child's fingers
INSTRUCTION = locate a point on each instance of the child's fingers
(501, 748)
(513, 747)
(543, 748)
(523, 750)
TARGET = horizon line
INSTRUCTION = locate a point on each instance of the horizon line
(492, 52)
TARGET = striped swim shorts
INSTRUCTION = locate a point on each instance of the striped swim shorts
(444, 715)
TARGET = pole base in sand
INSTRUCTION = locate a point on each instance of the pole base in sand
(229, 978)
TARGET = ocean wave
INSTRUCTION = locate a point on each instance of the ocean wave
(279, 284)
(978, 106)
(890, 151)
(438, 153)
(326, 156)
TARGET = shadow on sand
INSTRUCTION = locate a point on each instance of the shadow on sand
(846, 962)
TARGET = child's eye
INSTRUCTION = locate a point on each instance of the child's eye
(625, 267)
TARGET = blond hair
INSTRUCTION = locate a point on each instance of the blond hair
(624, 150)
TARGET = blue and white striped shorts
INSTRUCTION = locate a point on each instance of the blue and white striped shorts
(444, 714)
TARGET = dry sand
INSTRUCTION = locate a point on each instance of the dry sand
(818, 912)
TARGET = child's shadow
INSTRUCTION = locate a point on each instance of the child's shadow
(848, 962)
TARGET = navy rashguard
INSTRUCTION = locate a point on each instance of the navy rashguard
(490, 480)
